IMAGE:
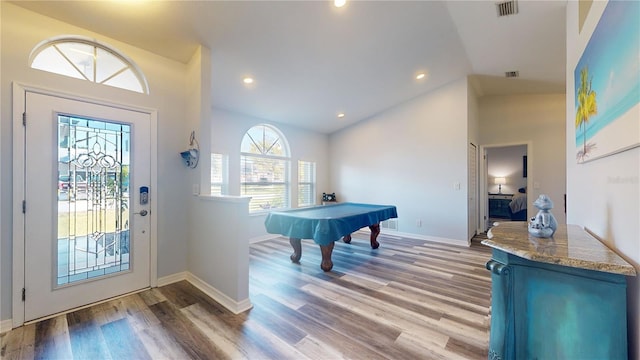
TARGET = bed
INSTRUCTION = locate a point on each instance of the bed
(518, 206)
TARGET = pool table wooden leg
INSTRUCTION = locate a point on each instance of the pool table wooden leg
(326, 251)
(297, 250)
(375, 230)
(347, 238)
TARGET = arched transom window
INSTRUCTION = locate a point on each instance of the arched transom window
(264, 167)
(87, 59)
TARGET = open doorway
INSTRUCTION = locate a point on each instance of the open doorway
(505, 174)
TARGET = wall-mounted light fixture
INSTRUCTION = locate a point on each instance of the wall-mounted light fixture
(192, 155)
(500, 181)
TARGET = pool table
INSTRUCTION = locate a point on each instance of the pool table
(327, 224)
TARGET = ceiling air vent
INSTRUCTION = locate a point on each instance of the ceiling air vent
(505, 8)
(512, 74)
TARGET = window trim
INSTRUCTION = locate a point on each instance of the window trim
(43, 45)
(286, 159)
(312, 183)
(224, 165)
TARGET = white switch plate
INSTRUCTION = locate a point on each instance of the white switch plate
(456, 186)
(196, 189)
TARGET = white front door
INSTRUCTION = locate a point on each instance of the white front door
(86, 225)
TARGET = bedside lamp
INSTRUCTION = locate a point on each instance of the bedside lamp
(500, 181)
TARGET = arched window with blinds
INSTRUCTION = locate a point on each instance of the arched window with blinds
(265, 168)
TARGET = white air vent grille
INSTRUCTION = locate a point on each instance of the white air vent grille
(512, 74)
(391, 224)
(505, 8)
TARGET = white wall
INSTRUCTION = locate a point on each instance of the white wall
(540, 121)
(21, 30)
(473, 115)
(219, 249)
(473, 133)
(410, 156)
(198, 119)
(604, 195)
(227, 131)
(5, 280)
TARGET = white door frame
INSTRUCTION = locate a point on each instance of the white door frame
(19, 95)
(483, 173)
(472, 228)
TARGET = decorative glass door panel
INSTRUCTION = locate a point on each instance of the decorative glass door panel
(93, 198)
(86, 228)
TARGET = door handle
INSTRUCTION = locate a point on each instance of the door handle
(142, 213)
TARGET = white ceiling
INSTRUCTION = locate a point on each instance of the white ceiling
(312, 60)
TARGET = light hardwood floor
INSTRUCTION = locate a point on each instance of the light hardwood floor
(409, 299)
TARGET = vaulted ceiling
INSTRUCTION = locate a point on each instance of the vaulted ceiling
(311, 60)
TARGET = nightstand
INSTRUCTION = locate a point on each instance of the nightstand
(499, 205)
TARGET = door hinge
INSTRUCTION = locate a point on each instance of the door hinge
(24, 119)
(24, 294)
(24, 206)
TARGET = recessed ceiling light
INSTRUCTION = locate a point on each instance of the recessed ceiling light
(339, 3)
(247, 80)
(340, 115)
(421, 76)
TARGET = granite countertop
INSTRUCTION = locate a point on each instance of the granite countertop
(570, 246)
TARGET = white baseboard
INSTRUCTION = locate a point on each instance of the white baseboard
(390, 233)
(261, 238)
(434, 239)
(398, 234)
(232, 305)
(166, 280)
(6, 325)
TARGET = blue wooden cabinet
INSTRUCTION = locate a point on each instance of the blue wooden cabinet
(544, 309)
(499, 205)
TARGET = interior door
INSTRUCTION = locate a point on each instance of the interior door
(484, 212)
(87, 170)
(472, 205)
